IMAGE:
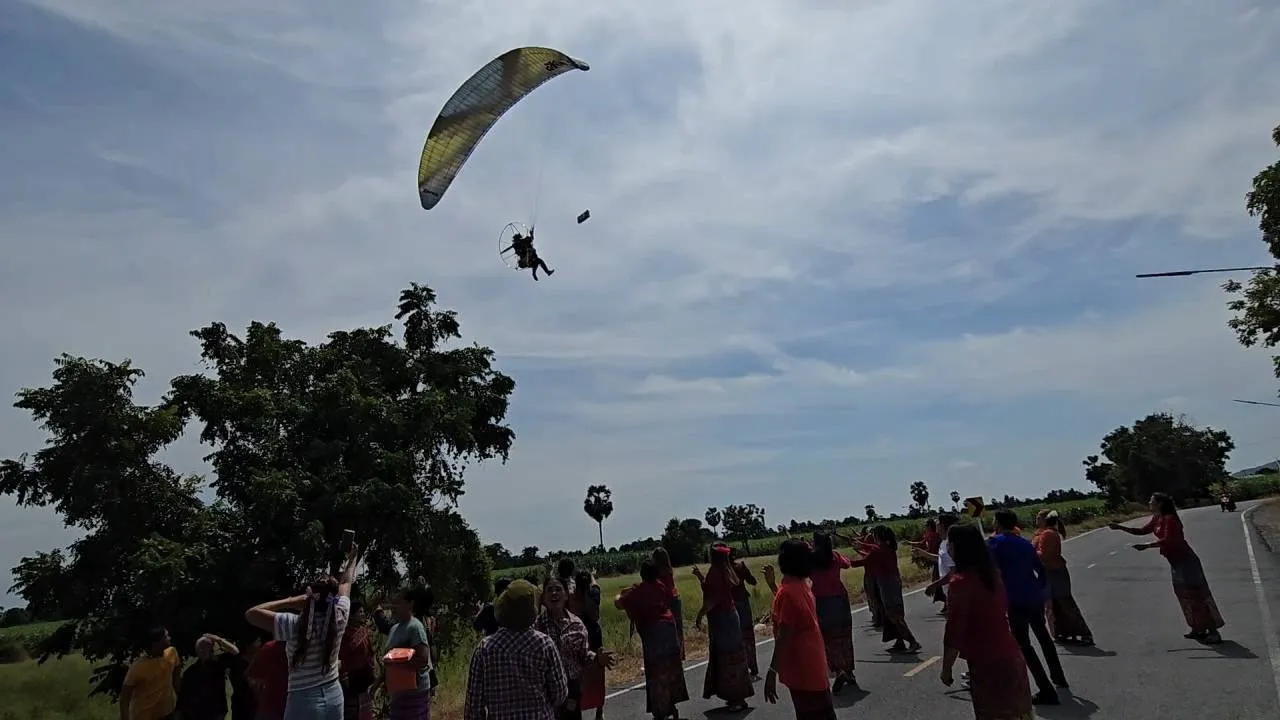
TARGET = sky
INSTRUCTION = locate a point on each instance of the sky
(835, 247)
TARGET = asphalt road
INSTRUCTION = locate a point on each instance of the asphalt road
(1142, 668)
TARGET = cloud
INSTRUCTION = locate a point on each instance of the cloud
(833, 246)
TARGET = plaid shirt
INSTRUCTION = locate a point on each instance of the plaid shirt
(570, 635)
(515, 676)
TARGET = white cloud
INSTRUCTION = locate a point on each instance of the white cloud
(834, 246)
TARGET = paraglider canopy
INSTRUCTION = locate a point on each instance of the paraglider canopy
(476, 106)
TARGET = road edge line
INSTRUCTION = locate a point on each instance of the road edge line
(1268, 627)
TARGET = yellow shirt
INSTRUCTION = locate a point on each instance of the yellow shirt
(152, 681)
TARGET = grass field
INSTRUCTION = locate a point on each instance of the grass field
(56, 690)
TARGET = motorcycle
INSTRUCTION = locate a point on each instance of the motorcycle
(1227, 505)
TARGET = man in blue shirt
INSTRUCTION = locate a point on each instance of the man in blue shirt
(1024, 585)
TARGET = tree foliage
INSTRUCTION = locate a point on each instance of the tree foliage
(919, 495)
(598, 505)
(361, 431)
(871, 513)
(686, 540)
(744, 523)
(713, 518)
(1257, 304)
(1159, 453)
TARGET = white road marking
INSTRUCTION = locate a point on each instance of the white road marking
(1092, 566)
(766, 641)
(1268, 628)
(915, 670)
(1113, 552)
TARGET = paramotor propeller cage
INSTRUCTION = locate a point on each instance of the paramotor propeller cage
(509, 256)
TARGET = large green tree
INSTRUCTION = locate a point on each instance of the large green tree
(1159, 453)
(1257, 304)
(361, 431)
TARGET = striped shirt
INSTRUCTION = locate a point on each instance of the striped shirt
(313, 672)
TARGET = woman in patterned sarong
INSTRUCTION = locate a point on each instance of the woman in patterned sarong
(880, 558)
(1065, 620)
(1189, 583)
(648, 607)
(727, 675)
(667, 575)
(835, 616)
(746, 621)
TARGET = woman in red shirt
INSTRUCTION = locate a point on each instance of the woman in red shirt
(268, 674)
(1189, 583)
(799, 655)
(978, 631)
(647, 604)
(880, 560)
(835, 616)
(667, 576)
(727, 676)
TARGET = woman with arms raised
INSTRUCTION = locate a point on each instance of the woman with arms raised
(1189, 583)
(311, 625)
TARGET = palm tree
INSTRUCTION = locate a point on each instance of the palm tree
(598, 505)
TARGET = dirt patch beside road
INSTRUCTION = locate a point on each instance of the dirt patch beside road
(1266, 520)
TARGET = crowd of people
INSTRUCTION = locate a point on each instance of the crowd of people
(315, 655)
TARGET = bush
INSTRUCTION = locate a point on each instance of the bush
(1256, 486)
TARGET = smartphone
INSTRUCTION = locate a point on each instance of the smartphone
(348, 540)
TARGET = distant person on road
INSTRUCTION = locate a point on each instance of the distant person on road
(150, 689)
(1189, 583)
(799, 657)
(1025, 585)
(978, 631)
(1066, 622)
(648, 605)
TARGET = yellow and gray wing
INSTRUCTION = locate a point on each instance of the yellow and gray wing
(476, 106)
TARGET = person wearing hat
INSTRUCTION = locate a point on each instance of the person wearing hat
(517, 671)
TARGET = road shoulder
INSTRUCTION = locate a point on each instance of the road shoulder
(1266, 523)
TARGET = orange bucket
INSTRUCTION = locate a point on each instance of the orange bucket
(401, 675)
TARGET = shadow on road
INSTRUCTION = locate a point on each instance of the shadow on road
(1227, 649)
(849, 697)
(1083, 651)
(1071, 707)
(722, 712)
